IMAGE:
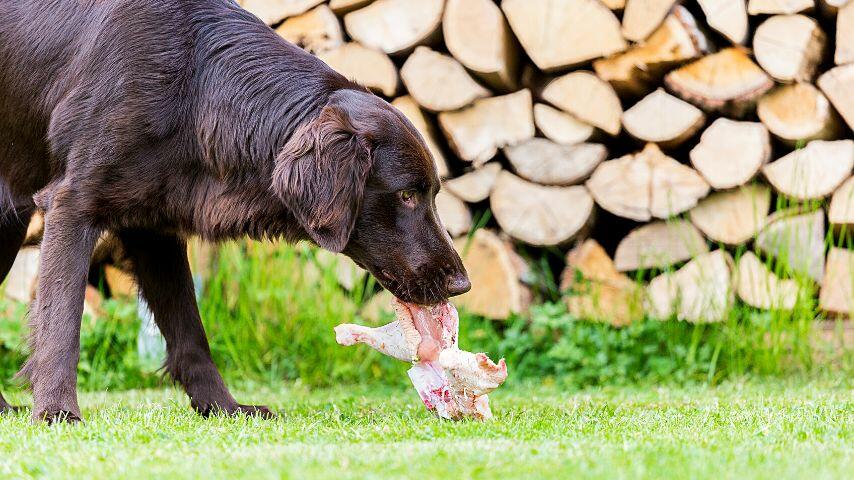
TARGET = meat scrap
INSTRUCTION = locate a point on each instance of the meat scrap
(451, 382)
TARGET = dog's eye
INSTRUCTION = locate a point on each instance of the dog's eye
(408, 197)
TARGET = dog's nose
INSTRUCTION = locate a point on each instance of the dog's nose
(458, 284)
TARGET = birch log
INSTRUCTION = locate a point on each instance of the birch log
(664, 119)
(438, 82)
(413, 113)
(476, 185)
(659, 245)
(759, 287)
(838, 85)
(798, 112)
(547, 163)
(730, 153)
(789, 47)
(813, 172)
(797, 240)
(363, 65)
(560, 126)
(733, 217)
(395, 26)
(587, 98)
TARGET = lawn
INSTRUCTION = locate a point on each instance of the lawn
(769, 429)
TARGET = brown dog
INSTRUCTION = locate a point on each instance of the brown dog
(158, 119)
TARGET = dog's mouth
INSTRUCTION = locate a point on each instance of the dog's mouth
(422, 290)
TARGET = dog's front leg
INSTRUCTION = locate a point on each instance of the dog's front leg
(163, 272)
(69, 238)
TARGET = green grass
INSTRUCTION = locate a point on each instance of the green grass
(749, 430)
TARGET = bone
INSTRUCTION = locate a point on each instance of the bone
(451, 382)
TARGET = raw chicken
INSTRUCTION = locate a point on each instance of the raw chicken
(452, 382)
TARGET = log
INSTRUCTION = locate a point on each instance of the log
(596, 290)
(476, 185)
(775, 7)
(315, 31)
(477, 132)
(615, 4)
(639, 70)
(664, 119)
(272, 12)
(548, 163)
(838, 85)
(413, 113)
(728, 17)
(378, 309)
(363, 65)
(730, 153)
(837, 289)
(35, 230)
(439, 82)
(559, 126)
(120, 283)
(345, 271)
(844, 35)
(813, 172)
(395, 26)
(796, 113)
(659, 245)
(537, 214)
(699, 292)
(796, 240)
(758, 287)
(455, 215)
(727, 81)
(557, 34)
(642, 17)
(789, 47)
(22, 280)
(645, 185)
(495, 271)
(341, 7)
(841, 210)
(733, 217)
(477, 34)
(586, 97)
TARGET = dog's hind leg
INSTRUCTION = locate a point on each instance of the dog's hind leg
(14, 219)
(163, 272)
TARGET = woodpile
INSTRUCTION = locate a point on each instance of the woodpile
(695, 143)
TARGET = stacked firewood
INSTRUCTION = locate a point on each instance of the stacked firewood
(688, 144)
(662, 153)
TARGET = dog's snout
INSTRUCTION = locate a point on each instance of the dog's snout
(458, 284)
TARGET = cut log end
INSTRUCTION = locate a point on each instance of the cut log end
(730, 153)
(315, 31)
(588, 98)
(476, 185)
(363, 65)
(814, 171)
(659, 245)
(453, 213)
(438, 82)
(545, 162)
(796, 240)
(733, 217)
(662, 118)
(559, 126)
(699, 292)
(413, 113)
(395, 26)
(837, 289)
(641, 17)
(798, 112)
(789, 47)
(759, 287)
(838, 85)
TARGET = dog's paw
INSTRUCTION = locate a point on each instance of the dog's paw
(54, 416)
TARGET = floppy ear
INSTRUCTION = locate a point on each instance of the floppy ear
(320, 175)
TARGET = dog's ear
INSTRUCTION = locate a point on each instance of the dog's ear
(320, 175)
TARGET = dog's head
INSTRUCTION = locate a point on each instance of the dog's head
(361, 181)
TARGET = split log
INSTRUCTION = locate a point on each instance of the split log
(701, 291)
(558, 34)
(662, 118)
(537, 214)
(545, 162)
(796, 240)
(120, 283)
(759, 287)
(615, 4)
(841, 211)
(838, 85)
(637, 71)
(378, 309)
(477, 132)
(729, 17)
(796, 113)
(315, 31)
(844, 35)
(596, 290)
(659, 245)
(559, 126)
(35, 230)
(363, 65)
(438, 82)
(837, 289)
(730, 153)
(587, 98)
(272, 12)
(775, 7)
(22, 280)
(340, 7)
(345, 271)
(642, 17)
(477, 34)
(727, 81)
(455, 215)
(495, 271)
(476, 185)
(395, 26)
(413, 113)
(789, 47)
(735, 216)
(814, 171)
(646, 184)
